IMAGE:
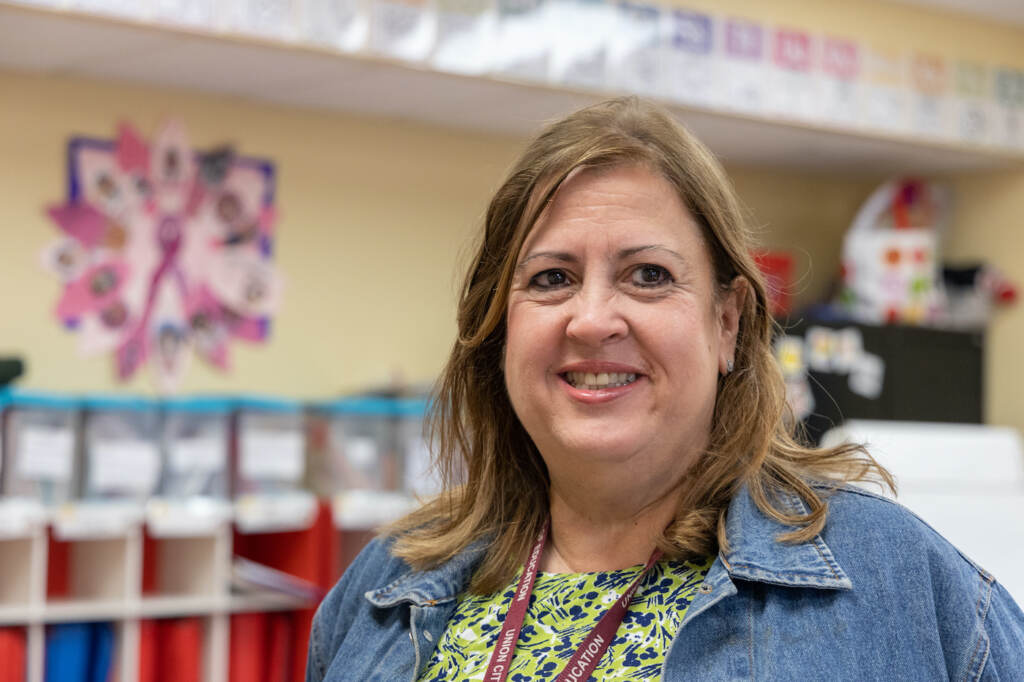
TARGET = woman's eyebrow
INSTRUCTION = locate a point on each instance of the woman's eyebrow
(634, 250)
(554, 255)
(566, 257)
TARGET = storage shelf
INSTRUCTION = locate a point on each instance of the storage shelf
(104, 580)
(302, 76)
(71, 610)
(75, 610)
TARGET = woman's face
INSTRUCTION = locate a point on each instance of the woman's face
(615, 335)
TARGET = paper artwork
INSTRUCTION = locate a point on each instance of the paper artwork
(164, 252)
(794, 91)
(693, 71)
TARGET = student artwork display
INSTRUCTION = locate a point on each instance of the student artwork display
(164, 251)
(824, 350)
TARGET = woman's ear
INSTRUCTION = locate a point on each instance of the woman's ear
(730, 310)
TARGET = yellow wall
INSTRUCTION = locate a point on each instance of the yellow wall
(374, 215)
(989, 227)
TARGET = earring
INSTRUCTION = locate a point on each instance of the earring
(728, 366)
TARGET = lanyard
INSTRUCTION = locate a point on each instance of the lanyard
(581, 666)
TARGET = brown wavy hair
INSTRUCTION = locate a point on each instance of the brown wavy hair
(497, 483)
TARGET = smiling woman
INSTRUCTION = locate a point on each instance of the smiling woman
(615, 280)
(625, 497)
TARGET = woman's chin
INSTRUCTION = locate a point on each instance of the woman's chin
(590, 451)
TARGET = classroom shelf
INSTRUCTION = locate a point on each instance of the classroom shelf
(298, 75)
(103, 579)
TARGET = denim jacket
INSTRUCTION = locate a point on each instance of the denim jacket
(878, 595)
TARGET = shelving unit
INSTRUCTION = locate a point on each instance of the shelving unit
(105, 583)
(301, 75)
(189, 575)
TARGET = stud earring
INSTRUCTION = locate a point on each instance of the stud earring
(728, 366)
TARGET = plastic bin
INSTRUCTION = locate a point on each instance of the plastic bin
(193, 496)
(121, 449)
(361, 452)
(420, 478)
(269, 467)
(361, 463)
(40, 462)
(194, 438)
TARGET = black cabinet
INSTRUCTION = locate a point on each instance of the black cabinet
(927, 375)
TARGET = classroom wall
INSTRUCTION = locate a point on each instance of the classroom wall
(988, 227)
(375, 215)
(374, 218)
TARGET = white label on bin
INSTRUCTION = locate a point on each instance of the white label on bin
(129, 466)
(361, 452)
(197, 455)
(45, 454)
(420, 476)
(272, 455)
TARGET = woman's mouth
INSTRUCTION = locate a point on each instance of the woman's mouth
(590, 381)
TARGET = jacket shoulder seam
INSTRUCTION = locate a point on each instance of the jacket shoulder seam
(979, 657)
(982, 573)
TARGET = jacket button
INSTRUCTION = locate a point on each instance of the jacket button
(706, 588)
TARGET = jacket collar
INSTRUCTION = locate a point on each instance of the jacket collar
(435, 586)
(754, 555)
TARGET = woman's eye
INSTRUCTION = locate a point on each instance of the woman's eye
(650, 276)
(549, 279)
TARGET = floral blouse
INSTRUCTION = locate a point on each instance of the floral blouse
(564, 608)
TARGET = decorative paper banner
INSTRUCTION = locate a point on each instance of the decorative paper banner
(745, 67)
(972, 103)
(266, 18)
(122, 8)
(404, 29)
(522, 48)
(1009, 97)
(885, 90)
(342, 24)
(635, 48)
(930, 105)
(465, 36)
(196, 13)
(165, 250)
(840, 81)
(794, 92)
(692, 67)
(579, 57)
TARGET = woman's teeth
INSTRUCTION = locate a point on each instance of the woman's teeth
(592, 382)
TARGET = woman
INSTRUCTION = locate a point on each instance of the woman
(634, 506)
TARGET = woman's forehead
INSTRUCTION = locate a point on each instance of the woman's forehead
(622, 203)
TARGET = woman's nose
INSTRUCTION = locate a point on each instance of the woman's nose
(595, 317)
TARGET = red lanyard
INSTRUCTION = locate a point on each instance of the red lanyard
(581, 666)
